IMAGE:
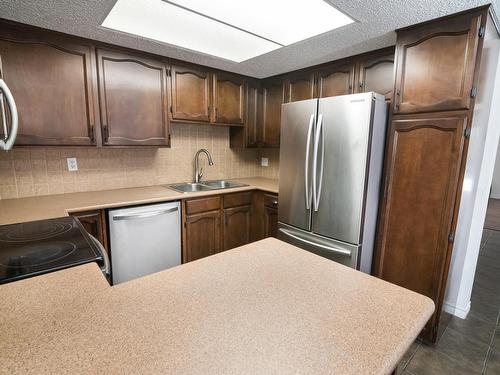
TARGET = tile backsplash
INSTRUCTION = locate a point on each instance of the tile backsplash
(41, 171)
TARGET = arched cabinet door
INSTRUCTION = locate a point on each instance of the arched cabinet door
(202, 235)
(376, 74)
(299, 86)
(424, 159)
(134, 102)
(190, 94)
(229, 99)
(335, 80)
(53, 92)
(270, 113)
(435, 66)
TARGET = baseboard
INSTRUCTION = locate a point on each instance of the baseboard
(457, 311)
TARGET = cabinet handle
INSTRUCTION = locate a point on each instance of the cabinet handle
(275, 203)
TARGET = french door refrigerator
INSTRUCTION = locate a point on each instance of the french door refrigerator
(331, 156)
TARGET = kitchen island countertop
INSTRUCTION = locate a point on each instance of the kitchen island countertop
(263, 308)
(19, 210)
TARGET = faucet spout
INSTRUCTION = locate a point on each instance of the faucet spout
(198, 173)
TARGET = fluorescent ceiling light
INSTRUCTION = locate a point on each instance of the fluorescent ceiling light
(158, 20)
(283, 21)
(231, 29)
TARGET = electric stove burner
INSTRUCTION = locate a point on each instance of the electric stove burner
(34, 231)
(38, 247)
(39, 254)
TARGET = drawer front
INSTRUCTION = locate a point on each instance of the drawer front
(238, 199)
(271, 200)
(194, 206)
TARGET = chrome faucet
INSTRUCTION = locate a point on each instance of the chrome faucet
(198, 172)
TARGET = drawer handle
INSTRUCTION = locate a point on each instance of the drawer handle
(145, 214)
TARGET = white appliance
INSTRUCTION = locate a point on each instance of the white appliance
(331, 157)
(9, 135)
(144, 240)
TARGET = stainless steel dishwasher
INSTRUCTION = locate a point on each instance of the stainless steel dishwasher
(144, 240)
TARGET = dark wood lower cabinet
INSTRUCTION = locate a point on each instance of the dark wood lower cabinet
(236, 226)
(270, 222)
(202, 235)
(94, 223)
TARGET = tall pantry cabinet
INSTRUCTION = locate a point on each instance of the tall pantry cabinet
(437, 64)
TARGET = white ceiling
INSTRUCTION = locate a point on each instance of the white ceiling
(376, 22)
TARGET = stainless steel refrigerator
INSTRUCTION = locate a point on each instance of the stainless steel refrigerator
(331, 156)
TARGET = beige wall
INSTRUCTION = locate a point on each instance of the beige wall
(272, 171)
(41, 171)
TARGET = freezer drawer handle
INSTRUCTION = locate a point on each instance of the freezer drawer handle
(306, 166)
(145, 214)
(328, 248)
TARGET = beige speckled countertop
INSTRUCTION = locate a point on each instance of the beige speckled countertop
(52, 206)
(264, 308)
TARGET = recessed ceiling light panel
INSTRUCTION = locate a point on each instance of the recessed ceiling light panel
(231, 29)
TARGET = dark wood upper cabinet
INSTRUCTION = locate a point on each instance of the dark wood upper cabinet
(249, 135)
(337, 79)
(202, 235)
(423, 159)
(236, 226)
(299, 86)
(272, 99)
(51, 79)
(228, 99)
(435, 65)
(190, 94)
(376, 73)
(133, 97)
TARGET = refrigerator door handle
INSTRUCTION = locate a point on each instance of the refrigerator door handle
(324, 247)
(306, 166)
(317, 184)
(7, 143)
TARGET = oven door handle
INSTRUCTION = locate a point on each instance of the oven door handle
(104, 255)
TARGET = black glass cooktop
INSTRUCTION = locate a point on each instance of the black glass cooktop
(38, 247)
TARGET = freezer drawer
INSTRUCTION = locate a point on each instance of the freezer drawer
(144, 240)
(337, 251)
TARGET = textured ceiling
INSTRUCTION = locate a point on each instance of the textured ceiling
(376, 22)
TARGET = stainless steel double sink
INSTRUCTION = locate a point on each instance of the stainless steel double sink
(191, 187)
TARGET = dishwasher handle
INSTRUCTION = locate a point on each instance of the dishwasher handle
(145, 214)
(107, 268)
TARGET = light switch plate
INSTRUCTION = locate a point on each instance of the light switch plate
(264, 162)
(72, 165)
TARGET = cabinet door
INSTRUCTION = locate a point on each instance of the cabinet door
(236, 226)
(299, 87)
(94, 223)
(249, 135)
(272, 99)
(376, 74)
(133, 96)
(270, 222)
(435, 66)
(229, 99)
(190, 94)
(422, 179)
(51, 80)
(335, 80)
(202, 235)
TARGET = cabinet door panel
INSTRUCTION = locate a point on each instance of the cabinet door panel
(51, 81)
(94, 223)
(272, 99)
(436, 66)
(335, 80)
(190, 94)
(229, 99)
(236, 226)
(202, 235)
(133, 93)
(270, 222)
(376, 74)
(300, 87)
(422, 179)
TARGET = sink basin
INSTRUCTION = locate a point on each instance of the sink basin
(221, 184)
(189, 187)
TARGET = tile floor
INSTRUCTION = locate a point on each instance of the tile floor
(470, 346)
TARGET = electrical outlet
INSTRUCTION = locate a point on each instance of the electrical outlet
(264, 162)
(72, 165)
